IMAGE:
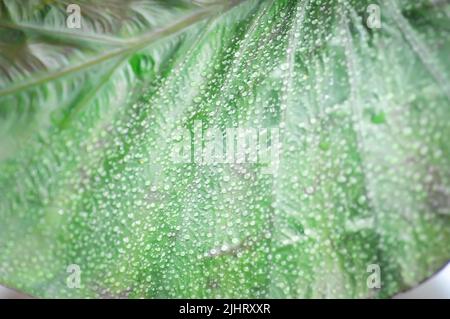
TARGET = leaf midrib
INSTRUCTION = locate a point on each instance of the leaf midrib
(132, 46)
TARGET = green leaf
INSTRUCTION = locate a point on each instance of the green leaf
(101, 128)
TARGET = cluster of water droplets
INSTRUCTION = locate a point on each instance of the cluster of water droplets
(363, 175)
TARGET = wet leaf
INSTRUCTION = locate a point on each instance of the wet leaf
(241, 149)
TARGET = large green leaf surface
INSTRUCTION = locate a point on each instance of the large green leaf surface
(359, 120)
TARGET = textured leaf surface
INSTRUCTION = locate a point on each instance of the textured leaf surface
(90, 119)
